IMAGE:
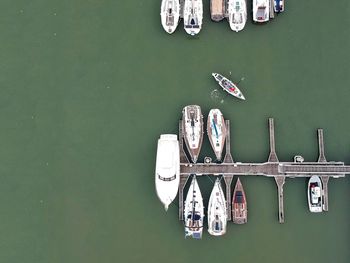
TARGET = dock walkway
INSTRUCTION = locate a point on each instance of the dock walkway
(272, 168)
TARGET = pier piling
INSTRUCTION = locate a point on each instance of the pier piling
(273, 156)
(321, 157)
(228, 157)
(280, 180)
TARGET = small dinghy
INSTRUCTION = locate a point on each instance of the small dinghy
(314, 194)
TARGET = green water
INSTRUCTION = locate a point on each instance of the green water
(87, 87)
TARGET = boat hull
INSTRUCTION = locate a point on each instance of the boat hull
(167, 174)
(239, 205)
(193, 19)
(315, 194)
(192, 127)
(261, 11)
(237, 14)
(217, 10)
(216, 130)
(194, 211)
(170, 15)
(228, 86)
(217, 212)
(278, 6)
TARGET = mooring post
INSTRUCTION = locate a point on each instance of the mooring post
(228, 180)
(280, 180)
(183, 156)
(228, 157)
(321, 156)
(325, 180)
(183, 181)
(273, 155)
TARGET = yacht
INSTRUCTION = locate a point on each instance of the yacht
(216, 130)
(167, 175)
(228, 86)
(261, 11)
(193, 16)
(314, 194)
(192, 127)
(237, 12)
(194, 211)
(217, 213)
(278, 6)
(239, 205)
(170, 15)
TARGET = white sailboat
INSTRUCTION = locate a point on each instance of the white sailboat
(216, 130)
(170, 15)
(192, 126)
(217, 212)
(237, 11)
(261, 10)
(194, 211)
(167, 175)
(314, 194)
(193, 16)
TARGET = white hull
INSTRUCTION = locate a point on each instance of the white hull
(315, 194)
(216, 130)
(192, 127)
(261, 11)
(228, 86)
(193, 16)
(167, 175)
(170, 15)
(194, 211)
(237, 11)
(217, 212)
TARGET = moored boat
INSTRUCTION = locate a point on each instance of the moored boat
(167, 175)
(261, 12)
(192, 127)
(216, 130)
(170, 15)
(237, 14)
(217, 10)
(217, 212)
(314, 194)
(228, 86)
(194, 211)
(278, 6)
(239, 205)
(193, 16)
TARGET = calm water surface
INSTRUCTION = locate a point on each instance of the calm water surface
(87, 86)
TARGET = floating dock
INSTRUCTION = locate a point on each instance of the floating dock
(272, 168)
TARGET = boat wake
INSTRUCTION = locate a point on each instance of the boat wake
(217, 96)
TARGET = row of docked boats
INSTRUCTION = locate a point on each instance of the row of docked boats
(192, 127)
(217, 209)
(234, 10)
(191, 11)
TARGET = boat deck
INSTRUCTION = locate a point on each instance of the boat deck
(217, 9)
(272, 168)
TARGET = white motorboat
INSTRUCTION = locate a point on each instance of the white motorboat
(314, 194)
(217, 212)
(192, 127)
(170, 15)
(237, 12)
(216, 130)
(278, 6)
(194, 211)
(261, 11)
(167, 176)
(193, 16)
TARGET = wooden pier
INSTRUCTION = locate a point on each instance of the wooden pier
(272, 168)
(272, 10)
